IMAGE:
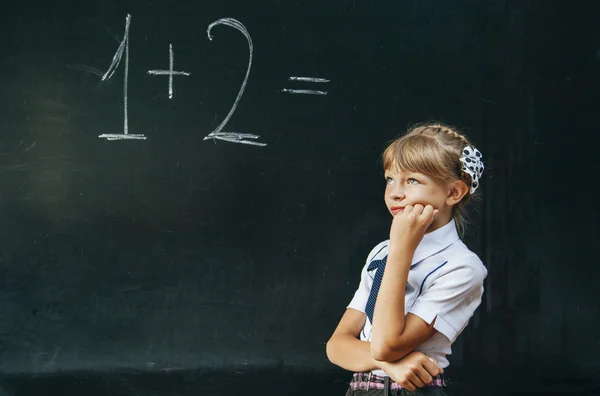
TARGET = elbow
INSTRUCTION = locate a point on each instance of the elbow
(385, 352)
(380, 352)
(329, 350)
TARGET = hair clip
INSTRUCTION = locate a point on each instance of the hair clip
(472, 164)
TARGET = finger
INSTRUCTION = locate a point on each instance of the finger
(418, 209)
(428, 212)
(408, 209)
(415, 381)
(424, 375)
(409, 386)
(432, 367)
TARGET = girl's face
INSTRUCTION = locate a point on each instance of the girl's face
(411, 188)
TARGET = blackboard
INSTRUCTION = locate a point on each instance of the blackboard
(173, 250)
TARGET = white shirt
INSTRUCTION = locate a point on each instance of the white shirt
(445, 280)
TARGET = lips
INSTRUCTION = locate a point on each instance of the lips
(396, 209)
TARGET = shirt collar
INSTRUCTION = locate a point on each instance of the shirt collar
(435, 241)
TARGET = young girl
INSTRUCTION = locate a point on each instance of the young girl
(418, 289)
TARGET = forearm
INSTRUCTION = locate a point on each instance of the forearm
(389, 315)
(352, 354)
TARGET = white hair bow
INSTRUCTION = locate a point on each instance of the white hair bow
(472, 164)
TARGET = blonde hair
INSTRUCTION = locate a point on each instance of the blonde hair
(434, 150)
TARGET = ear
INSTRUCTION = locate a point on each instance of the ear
(456, 192)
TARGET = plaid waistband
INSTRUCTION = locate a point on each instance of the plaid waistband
(366, 381)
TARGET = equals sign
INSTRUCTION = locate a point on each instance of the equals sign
(306, 91)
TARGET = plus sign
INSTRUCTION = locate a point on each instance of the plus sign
(169, 72)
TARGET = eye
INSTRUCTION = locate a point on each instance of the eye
(389, 180)
(412, 180)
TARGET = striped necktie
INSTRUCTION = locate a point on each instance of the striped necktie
(380, 266)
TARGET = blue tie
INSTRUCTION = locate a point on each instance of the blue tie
(380, 266)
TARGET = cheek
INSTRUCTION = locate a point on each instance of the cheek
(439, 194)
(430, 195)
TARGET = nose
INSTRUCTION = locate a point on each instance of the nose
(397, 193)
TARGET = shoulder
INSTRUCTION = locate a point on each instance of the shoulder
(378, 252)
(462, 262)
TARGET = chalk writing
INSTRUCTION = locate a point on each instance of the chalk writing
(123, 47)
(169, 72)
(306, 91)
(231, 136)
(217, 133)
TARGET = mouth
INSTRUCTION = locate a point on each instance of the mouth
(396, 209)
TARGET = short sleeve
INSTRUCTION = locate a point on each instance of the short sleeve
(453, 297)
(361, 295)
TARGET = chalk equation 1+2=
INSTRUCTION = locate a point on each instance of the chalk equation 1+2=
(217, 133)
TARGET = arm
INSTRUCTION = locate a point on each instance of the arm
(344, 349)
(350, 353)
(389, 316)
(396, 334)
(415, 333)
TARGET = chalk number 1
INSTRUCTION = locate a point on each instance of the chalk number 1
(123, 47)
